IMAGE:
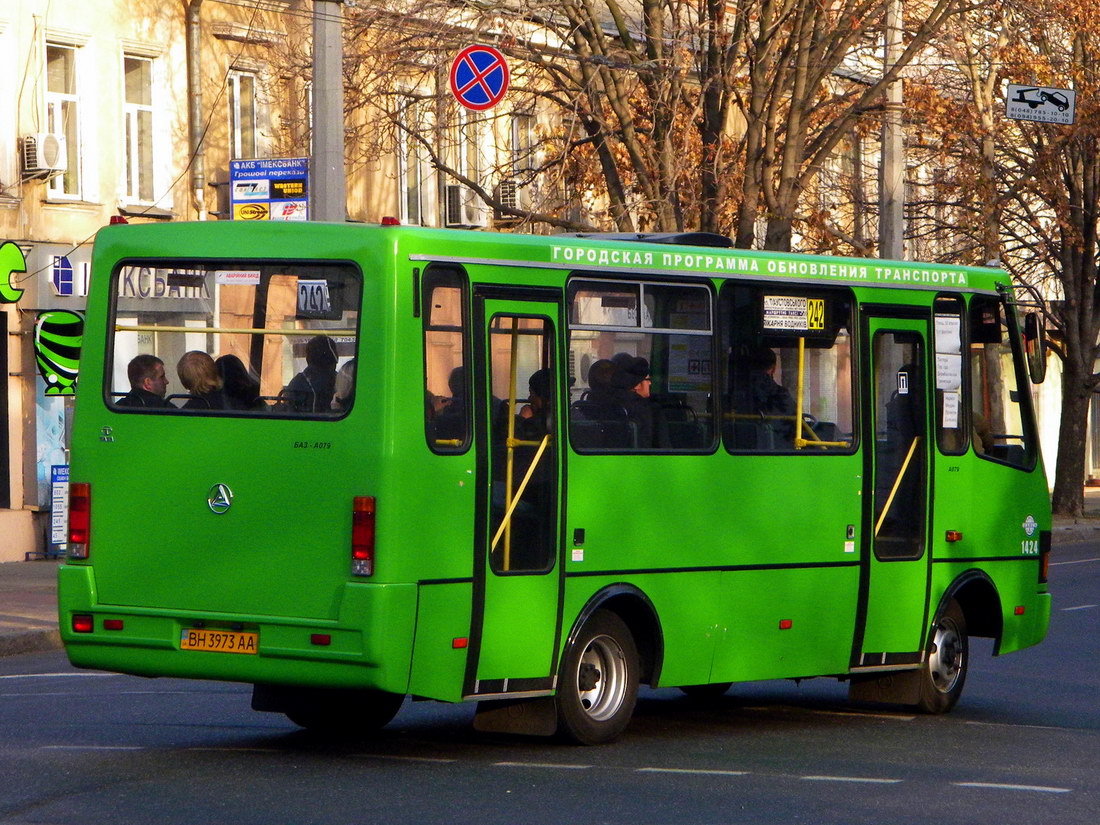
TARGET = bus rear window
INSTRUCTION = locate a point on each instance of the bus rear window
(234, 338)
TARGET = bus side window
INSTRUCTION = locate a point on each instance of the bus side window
(446, 379)
(767, 332)
(951, 415)
(1001, 428)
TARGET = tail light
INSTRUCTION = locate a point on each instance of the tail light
(362, 536)
(1044, 555)
(80, 519)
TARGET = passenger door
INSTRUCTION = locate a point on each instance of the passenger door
(895, 558)
(517, 574)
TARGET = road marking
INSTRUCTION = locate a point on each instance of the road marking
(233, 750)
(1078, 607)
(93, 747)
(57, 675)
(692, 770)
(1005, 787)
(395, 758)
(894, 717)
(1075, 561)
(866, 779)
(551, 765)
(1014, 725)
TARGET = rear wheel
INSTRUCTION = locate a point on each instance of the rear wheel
(598, 687)
(944, 672)
(351, 713)
(704, 692)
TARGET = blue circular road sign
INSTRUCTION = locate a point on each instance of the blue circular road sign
(479, 77)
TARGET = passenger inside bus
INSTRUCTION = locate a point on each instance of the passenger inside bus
(449, 422)
(312, 389)
(344, 394)
(200, 376)
(763, 408)
(148, 383)
(240, 385)
(600, 418)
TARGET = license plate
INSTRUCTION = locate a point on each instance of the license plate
(218, 641)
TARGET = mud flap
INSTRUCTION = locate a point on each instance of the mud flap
(897, 688)
(528, 717)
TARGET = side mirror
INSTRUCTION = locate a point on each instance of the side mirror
(1035, 347)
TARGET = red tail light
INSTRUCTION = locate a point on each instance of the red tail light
(83, 623)
(362, 536)
(80, 519)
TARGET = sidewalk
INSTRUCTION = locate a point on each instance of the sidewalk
(28, 589)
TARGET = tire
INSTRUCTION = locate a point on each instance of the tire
(706, 692)
(598, 684)
(345, 713)
(944, 671)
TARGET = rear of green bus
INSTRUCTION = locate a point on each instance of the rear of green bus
(222, 527)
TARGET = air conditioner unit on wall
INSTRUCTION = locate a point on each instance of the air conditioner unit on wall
(44, 155)
(463, 208)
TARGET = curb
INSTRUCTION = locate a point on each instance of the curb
(30, 641)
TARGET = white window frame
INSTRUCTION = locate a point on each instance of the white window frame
(131, 136)
(67, 185)
(410, 177)
(238, 139)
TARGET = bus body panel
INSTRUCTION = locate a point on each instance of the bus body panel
(442, 641)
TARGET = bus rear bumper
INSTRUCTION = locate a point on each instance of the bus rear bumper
(367, 646)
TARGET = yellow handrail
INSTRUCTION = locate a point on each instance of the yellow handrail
(897, 484)
(231, 330)
(507, 520)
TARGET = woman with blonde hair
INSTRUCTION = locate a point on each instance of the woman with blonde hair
(199, 375)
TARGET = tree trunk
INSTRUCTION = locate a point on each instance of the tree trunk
(1069, 494)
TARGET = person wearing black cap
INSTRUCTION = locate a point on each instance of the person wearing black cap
(632, 378)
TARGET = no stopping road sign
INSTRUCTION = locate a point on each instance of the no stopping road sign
(479, 77)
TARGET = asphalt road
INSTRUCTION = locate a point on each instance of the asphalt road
(1022, 747)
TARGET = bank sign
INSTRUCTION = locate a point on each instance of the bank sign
(269, 189)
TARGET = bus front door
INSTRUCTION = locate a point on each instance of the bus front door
(517, 585)
(895, 560)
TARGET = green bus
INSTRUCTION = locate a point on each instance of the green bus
(348, 464)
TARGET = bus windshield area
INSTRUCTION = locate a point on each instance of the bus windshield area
(234, 338)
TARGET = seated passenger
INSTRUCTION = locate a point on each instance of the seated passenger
(148, 383)
(344, 394)
(200, 376)
(449, 422)
(241, 387)
(632, 378)
(312, 389)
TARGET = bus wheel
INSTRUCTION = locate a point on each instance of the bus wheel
(346, 712)
(599, 681)
(704, 692)
(944, 671)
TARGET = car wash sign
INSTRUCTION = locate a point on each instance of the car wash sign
(269, 189)
(1040, 104)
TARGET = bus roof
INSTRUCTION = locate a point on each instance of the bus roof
(561, 252)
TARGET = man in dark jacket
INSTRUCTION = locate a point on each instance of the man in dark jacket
(148, 383)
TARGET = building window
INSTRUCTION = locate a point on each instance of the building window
(410, 167)
(138, 129)
(242, 114)
(523, 143)
(63, 116)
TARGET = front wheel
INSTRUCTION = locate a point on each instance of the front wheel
(599, 681)
(944, 672)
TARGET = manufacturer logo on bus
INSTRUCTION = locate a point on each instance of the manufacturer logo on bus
(220, 498)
